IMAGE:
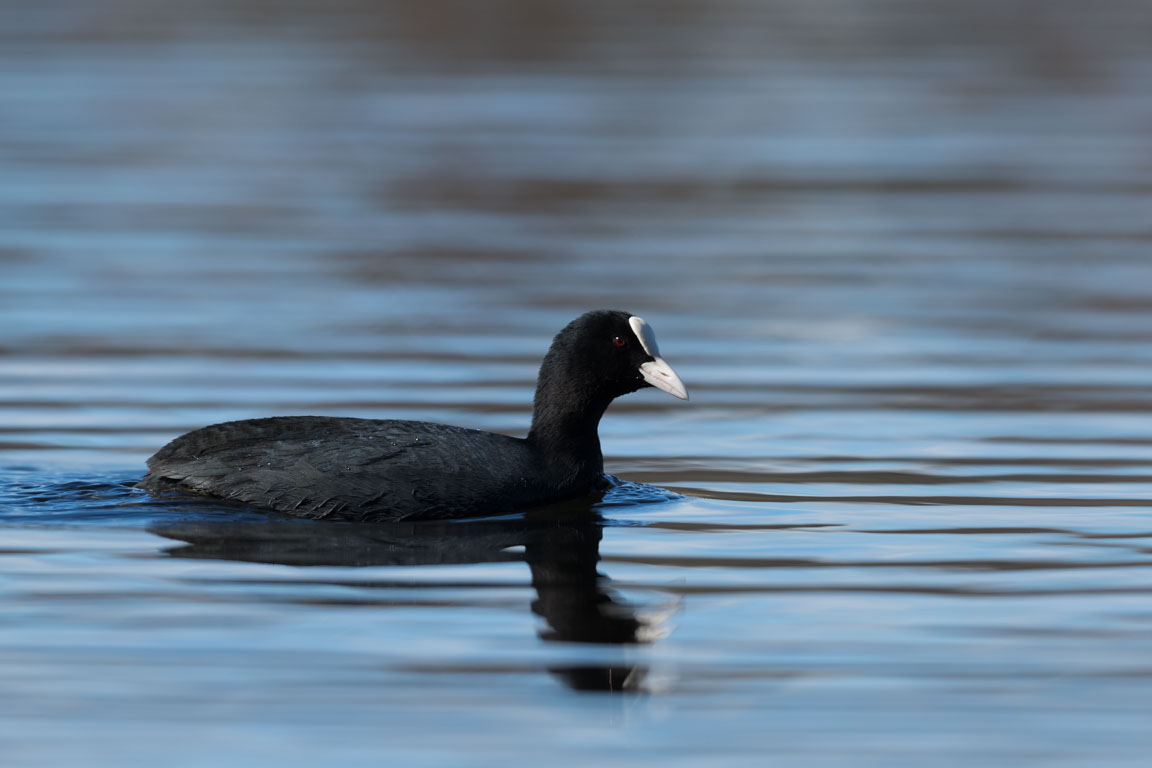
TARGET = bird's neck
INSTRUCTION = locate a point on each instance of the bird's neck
(565, 417)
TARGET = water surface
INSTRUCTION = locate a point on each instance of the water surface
(898, 253)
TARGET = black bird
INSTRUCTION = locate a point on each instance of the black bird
(367, 469)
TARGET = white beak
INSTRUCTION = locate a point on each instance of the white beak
(656, 372)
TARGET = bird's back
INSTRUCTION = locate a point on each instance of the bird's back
(344, 468)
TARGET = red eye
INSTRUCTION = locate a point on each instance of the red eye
(619, 341)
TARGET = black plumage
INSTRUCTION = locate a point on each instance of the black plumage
(366, 469)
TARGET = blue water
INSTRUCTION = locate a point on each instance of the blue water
(897, 252)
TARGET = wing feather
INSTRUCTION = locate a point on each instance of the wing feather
(322, 467)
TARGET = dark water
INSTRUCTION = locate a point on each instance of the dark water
(899, 252)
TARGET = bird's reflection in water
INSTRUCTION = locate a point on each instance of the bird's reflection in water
(571, 595)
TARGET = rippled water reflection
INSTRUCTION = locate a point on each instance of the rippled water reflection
(898, 253)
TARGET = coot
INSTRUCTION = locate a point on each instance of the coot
(367, 469)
